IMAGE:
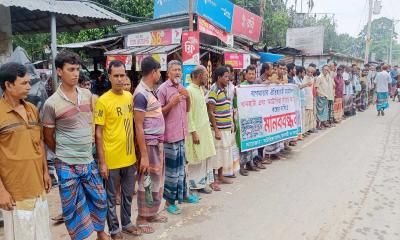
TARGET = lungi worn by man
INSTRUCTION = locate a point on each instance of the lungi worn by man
(200, 141)
(116, 150)
(323, 92)
(24, 175)
(382, 82)
(339, 89)
(150, 128)
(67, 125)
(175, 102)
(220, 117)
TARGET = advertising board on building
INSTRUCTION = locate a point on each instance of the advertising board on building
(166, 8)
(246, 24)
(309, 40)
(207, 27)
(125, 59)
(191, 48)
(219, 12)
(160, 58)
(155, 38)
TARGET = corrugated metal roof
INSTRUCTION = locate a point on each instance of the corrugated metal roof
(89, 43)
(222, 50)
(34, 16)
(168, 49)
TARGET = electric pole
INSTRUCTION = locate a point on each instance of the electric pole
(53, 46)
(263, 5)
(368, 38)
(391, 44)
(190, 15)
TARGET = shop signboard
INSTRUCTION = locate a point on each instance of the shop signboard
(166, 8)
(236, 60)
(155, 38)
(161, 58)
(310, 40)
(125, 59)
(186, 70)
(219, 12)
(246, 24)
(206, 27)
(191, 48)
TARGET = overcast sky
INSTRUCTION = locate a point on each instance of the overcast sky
(352, 15)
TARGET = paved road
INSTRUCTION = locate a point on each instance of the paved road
(340, 184)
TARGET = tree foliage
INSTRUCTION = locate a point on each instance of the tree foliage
(278, 18)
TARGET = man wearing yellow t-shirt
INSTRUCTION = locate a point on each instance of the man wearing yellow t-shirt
(116, 150)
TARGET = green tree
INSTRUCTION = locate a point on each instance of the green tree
(381, 29)
(33, 43)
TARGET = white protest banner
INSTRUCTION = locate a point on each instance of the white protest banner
(268, 114)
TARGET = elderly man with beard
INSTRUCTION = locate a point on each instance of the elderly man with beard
(199, 143)
(175, 103)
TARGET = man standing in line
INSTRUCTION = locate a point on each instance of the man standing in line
(230, 90)
(348, 93)
(175, 103)
(283, 78)
(150, 128)
(24, 175)
(218, 105)
(393, 75)
(339, 87)
(116, 150)
(67, 125)
(246, 158)
(322, 86)
(298, 80)
(383, 82)
(271, 151)
(309, 100)
(199, 143)
(291, 72)
(331, 95)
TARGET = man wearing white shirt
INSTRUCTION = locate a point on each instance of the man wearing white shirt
(382, 82)
(348, 92)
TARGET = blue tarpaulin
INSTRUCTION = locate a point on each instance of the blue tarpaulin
(269, 57)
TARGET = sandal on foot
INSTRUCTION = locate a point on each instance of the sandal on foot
(251, 168)
(157, 219)
(266, 161)
(145, 228)
(58, 219)
(231, 176)
(244, 172)
(225, 181)
(173, 209)
(133, 231)
(192, 199)
(205, 190)
(260, 166)
(110, 237)
(215, 187)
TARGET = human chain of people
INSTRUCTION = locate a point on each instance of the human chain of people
(172, 143)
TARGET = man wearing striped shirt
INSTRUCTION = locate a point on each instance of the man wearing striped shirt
(67, 121)
(220, 115)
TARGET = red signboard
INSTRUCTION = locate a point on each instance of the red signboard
(206, 27)
(236, 60)
(125, 59)
(191, 48)
(246, 24)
